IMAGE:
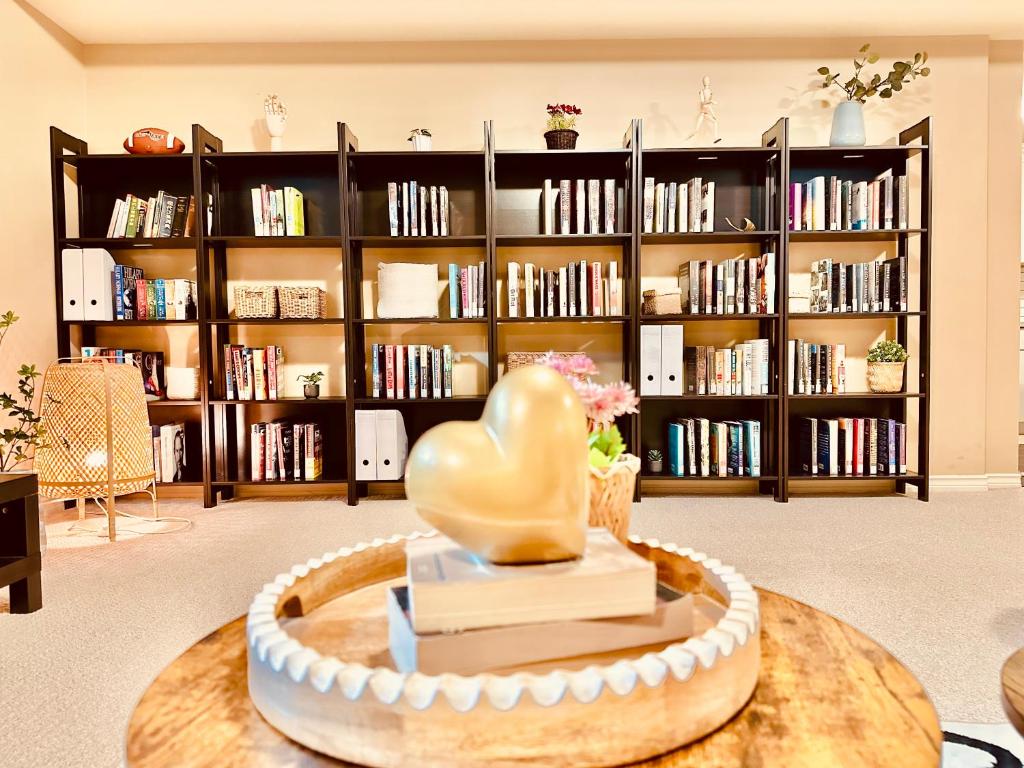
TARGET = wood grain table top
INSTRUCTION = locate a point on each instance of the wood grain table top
(1013, 689)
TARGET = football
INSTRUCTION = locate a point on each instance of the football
(153, 141)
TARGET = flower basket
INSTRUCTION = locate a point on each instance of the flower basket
(611, 495)
(562, 139)
(885, 377)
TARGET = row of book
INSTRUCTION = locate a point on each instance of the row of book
(467, 290)
(253, 373)
(282, 450)
(740, 370)
(872, 286)
(703, 448)
(161, 216)
(410, 371)
(832, 203)
(417, 210)
(578, 289)
(852, 447)
(138, 298)
(735, 286)
(151, 365)
(169, 459)
(816, 369)
(577, 206)
(685, 206)
(277, 212)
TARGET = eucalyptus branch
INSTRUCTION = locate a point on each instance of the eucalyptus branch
(856, 89)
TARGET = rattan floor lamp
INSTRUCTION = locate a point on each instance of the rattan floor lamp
(97, 433)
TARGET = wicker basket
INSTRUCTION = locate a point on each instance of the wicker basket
(611, 495)
(255, 301)
(668, 302)
(563, 139)
(885, 377)
(519, 359)
(302, 301)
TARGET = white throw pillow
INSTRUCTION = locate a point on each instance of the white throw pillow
(407, 290)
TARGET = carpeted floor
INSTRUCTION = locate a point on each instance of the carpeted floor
(940, 584)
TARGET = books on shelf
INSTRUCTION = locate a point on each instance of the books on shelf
(734, 286)
(880, 285)
(277, 212)
(410, 371)
(253, 373)
(579, 289)
(150, 364)
(741, 370)
(852, 447)
(467, 290)
(580, 207)
(137, 298)
(169, 457)
(679, 206)
(699, 447)
(829, 203)
(816, 369)
(153, 217)
(418, 210)
(282, 450)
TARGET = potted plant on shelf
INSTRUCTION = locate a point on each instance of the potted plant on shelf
(421, 139)
(848, 119)
(654, 461)
(24, 434)
(886, 361)
(311, 384)
(613, 471)
(561, 132)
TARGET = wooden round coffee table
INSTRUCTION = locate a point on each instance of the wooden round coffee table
(1013, 689)
(827, 695)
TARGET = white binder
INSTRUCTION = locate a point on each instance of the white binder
(366, 445)
(97, 290)
(671, 359)
(392, 445)
(650, 360)
(71, 273)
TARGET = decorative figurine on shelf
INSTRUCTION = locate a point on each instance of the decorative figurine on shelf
(561, 132)
(421, 139)
(311, 384)
(277, 120)
(707, 113)
(748, 225)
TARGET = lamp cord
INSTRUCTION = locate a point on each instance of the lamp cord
(182, 523)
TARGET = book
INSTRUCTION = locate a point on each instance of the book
(707, 207)
(528, 290)
(648, 204)
(547, 207)
(173, 460)
(580, 206)
(609, 206)
(442, 192)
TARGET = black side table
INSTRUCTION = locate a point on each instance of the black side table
(20, 561)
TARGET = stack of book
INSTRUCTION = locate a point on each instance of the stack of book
(253, 373)
(684, 206)
(735, 286)
(136, 298)
(832, 203)
(277, 212)
(467, 290)
(161, 216)
(281, 450)
(816, 369)
(852, 447)
(873, 286)
(702, 448)
(578, 289)
(741, 370)
(169, 460)
(410, 371)
(580, 207)
(151, 365)
(417, 210)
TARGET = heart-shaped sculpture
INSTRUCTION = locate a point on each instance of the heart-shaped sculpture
(511, 487)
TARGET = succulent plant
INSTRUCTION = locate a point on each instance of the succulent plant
(887, 351)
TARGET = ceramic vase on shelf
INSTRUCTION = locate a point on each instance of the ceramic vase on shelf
(848, 125)
(311, 391)
(561, 139)
(611, 495)
(885, 377)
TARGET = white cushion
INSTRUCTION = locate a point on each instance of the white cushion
(407, 290)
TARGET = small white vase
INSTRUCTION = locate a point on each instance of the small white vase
(848, 125)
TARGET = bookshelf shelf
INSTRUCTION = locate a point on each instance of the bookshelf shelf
(421, 401)
(248, 241)
(588, 319)
(708, 398)
(561, 240)
(853, 315)
(709, 479)
(826, 235)
(126, 323)
(277, 321)
(173, 403)
(322, 400)
(386, 241)
(329, 481)
(669, 319)
(419, 320)
(684, 238)
(181, 484)
(133, 244)
(861, 396)
(911, 477)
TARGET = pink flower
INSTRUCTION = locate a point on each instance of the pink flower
(604, 403)
(572, 367)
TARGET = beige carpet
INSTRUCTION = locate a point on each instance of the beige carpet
(940, 584)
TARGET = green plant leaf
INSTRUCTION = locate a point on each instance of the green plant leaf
(865, 48)
(823, 71)
(924, 56)
(873, 58)
(898, 85)
(885, 94)
(925, 71)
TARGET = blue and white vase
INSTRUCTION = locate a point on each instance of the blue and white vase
(848, 125)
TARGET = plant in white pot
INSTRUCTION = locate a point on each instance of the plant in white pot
(886, 361)
(22, 431)
(613, 471)
(848, 119)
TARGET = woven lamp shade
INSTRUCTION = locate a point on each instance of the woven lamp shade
(92, 411)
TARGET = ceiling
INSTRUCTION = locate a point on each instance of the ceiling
(292, 21)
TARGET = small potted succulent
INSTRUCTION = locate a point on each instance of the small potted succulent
(886, 361)
(654, 461)
(561, 132)
(421, 139)
(311, 384)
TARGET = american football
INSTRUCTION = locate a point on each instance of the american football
(153, 141)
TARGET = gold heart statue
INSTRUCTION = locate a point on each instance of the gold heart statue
(511, 487)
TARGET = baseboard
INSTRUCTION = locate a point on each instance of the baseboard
(993, 481)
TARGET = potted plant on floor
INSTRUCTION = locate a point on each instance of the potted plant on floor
(613, 471)
(848, 119)
(20, 438)
(561, 133)
(311, 384)
(886, 361)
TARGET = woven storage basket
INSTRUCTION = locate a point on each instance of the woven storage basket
(663, 302)
(518, 359)
(302, 301)
(885, 377)
(611, 495)
(255, 301)
(561, 139)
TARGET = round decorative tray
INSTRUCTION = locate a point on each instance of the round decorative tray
(320, 673)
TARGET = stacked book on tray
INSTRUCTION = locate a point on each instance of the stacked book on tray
(684, 206)
(410, 371)
(830, 203)
(253, 373)
(816, 369)
(579, 207)
(462, 615)
(277, 212)
(417, 210)
(852, 447)
(831, 286)
(579, 289)
(283, 450)
(161, 216)
(735, 286)
(703, 448)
